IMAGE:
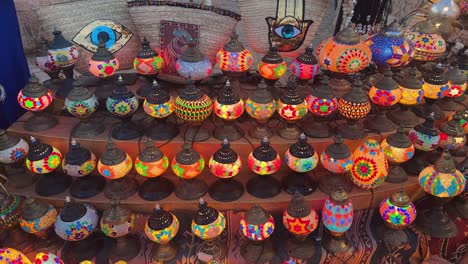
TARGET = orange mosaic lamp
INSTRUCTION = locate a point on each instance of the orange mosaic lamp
(291, 107)
(234, 57)
(435, 87)
(38, 218)
(228, 106)
(398, 149)
(370, 166)
(208, 224)
(187, 165)
(103, 63)
(148, 63)
(272, 66)
(429, 45)
(260, 106)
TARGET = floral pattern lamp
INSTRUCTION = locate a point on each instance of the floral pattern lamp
(228, 107)
(147, 63)
(82, 103)
(260, 106)
(338, 160)
(292, 108)
(38, 218)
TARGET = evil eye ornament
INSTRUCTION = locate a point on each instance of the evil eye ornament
(114, 35)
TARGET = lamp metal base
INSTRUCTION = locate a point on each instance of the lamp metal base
(258, 252)
(259, 131)
(330, 183)
(263, 186)
(226, 190)
(87, 186)
(416, 164)
(393, 237)
(162, 252)
(380, 123)
(424, 110)
(229, 131)
(162, 130)
(86, 129)
(191, 189)
(156, 189)
(125, 131)
(85, 249)
(317, 130)
(53, 183)
(302, 249)
(299, 182)
(290, 131)
(125, 248)
(449, 104)
(121, 189)
(351, 130)
(196, 134)
(20, 177)
(404, 117)
(336, 244)
(435, 221)
(396, 174)
(145, 89)
(458, 206)
(40, 122)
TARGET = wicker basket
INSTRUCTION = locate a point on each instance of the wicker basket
(155, 20)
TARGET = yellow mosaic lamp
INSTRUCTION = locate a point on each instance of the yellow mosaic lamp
(428, 44)
(370, 166)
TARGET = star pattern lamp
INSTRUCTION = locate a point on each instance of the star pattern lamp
(272, 66)
(398, 149)
(428, 44)
(435, 87)
(193, 64)
(370, 166)
(187, 165)
(292, 108)
(457, 88)
(147, 63)
(37, 218)
(229, 107)
(82, 103)
(161, 227)
(152, 163)
(260, 106)
(305, 67)
(338, 160)
(225, 164)
(264, 161)
(35, 97)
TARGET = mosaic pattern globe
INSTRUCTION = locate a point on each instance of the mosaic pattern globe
(260, 111)
(151, 169)
(47, 258)
(411, 96)
(211, 230)
(117, 171)
(228, 111)
(396, 154)
(451, 142)
(301, 164)
(196, 71)
(82, 108)
(15, 153)
(35, 104)
(193, 111)
(397, 216)
(122, 107)
(46, 165)
(321, 106)
(370, 166)
(428, 47)
(383, 97)
(441, 184)
(165, 235)
(337, 217)
(336, 165)
(263, 167)
(44, 63)
(301, 225)
(80, 170)
(13, 256)
(79, 229)
(393, 51)
(189, 171)
(103, 69)
(40, 225)
(11, 213)
(435, 91)
(291, 112)
(352, 110)
(272, 71)
(65, 57)
(257, 232)
(159, 110)
(304, 71)
(234, 61)
(456, 90)
(225, 170)
(423, 141)
(148, 66)
(118, 230)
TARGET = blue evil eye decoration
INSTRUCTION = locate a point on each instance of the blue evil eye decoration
(112, 33)
(287, 31)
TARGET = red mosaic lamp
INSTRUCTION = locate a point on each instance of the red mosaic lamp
(398, 149)
(429, 45)
(457, 88)
(370, 166)
(103, 65)
(435, 87)
(225, 164)
(35, 97)
(272, 66)
(260, 106)
(305, 67)
(188, 164)
(147, 63)
(228, 107)
(292, 108)
(161, 227)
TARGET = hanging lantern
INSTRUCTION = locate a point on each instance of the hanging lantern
(162, 227)
(370, 166)
(228, 106)
(103, 63)
(292, 108)
(260, 106)
(37, 218)
(10, 210)
(82, 103)
(76, 221)
(193, 64)
(305, 67)
(398, 149)
(188, 164)
(208, 224)
(234, 57)
(272, 66)
(428, 44)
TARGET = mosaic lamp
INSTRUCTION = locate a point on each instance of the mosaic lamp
(300, 220)
(452, 136)
(114, 165)
(47, 258)
(82, 103)
(435, 87)
(384, 94)
(35, 97)
(208, 224)
(103, 65)
(457, 88)
(193, 64)
(161, 227)
(353, 106)
(225, 164)
(411, 94)
(302, 159)
(458, 206)
(389, 47)
(160, 105)
(305, 67)
(228, 107)
(76, 222)
(260, 106)
(117, 222)
(272, 66)
(337, 217)
(123, 103)
(37, 218)
(264, 161)
(45, 159)
(14, 255)
(193, 106)
(187, 165)
(463, 120)
(397, 212)
(321, 104)
(429, 45)
(152, 163)
(291, 107)
(398, 149)
(338, 160)
(443, 182)
(370, 167)
(44, 63)
(10, 210)
(257, 225)
(79, 163)
(147, 63)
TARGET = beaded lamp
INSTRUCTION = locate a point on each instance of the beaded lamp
(383, 94)
(208, 224)
(187, 165)
(193, 64)
(411, 94)
(321, 104)
(193, 106)
(428, 44)
(47, 258)
(353, 106)
(147, 63)
(117, 222)
(338, 160)
(123, 103)
(35, 97)
(44, 63)
(264, 161)
(10, 211)
(45, 159)
(337, 217)
(272, 66)
(398, 149)
(160, 105)
(37, 218)
(301, 158)
(14, 255)
(225, 164)
(305, 67)
(370, 166)
(300, 220)
(452, 136)
(82, 103)
(229, 107)
(260, 106)
(161, 227)
(103, 65)
(435, 87)
(80, 163)
(292, 108)
(152, 163)
(257, 225)
(457, 88)
(443, 181)
(114, 165)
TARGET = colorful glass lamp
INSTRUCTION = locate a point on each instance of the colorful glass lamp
(457, 88)
(257, 225)
(47, 258)
(103, 65)
(225, 164)
(193, 64)
(272, 66)
(79, 163)
(338, 160)
(264, 161)
(300, 220)
(151, 163)
(161, 227)
(10, 210)
(301, 158)
(187, 165)
(337, 217)
(160, 105)
(428, 44)
(292, 108)
(398, 149)
(35, 97)
(370, 166)
(305, 67)
(435, 87)
(123, 103)
(117, 222)
(452, 136)
(43, 62)
(260, 106)
(82, 103)
(228, 106)
(114, 165)
(45, 159)
(459, 205)
(443, 181)
(148, 63)
(384, 94)
(38, 218)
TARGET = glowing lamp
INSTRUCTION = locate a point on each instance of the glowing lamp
(305, 67)
(425, 136)
(398, 149)
(337, 159)
(14, 256)
(428, 44)
(452, 134)
(457, 88)
(228, 106)
(397, 211)
(161, 227)
(82, 103)
(446, 9)
(47, 258)
(187, 165)
(291, 107)
(272, 66)
(370, 166)
(147, 61)
(234, 57)
(208, 223)
(193, 64)
(260, 106)
(10, 210)
(114, 163)
(37, 218)
(43, 158)
(103, 63)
